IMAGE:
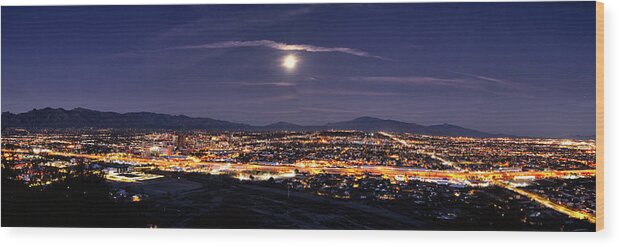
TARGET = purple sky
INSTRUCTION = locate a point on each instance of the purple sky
(514, 68)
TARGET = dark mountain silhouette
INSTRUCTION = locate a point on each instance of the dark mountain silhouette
(80, 118)
(460, 131)
(85, 118)
(377, 124)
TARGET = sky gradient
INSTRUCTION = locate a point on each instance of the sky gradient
(513, 68)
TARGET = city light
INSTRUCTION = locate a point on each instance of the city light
(343, 165)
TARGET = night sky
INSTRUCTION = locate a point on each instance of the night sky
(514, 68)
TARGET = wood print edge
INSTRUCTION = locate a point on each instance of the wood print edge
(599, 121)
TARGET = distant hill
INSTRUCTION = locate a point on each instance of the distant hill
(454, 130)
(84, 118)
(80, 118)
(377, 124)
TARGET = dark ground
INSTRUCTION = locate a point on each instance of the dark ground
(204, 201)
(80, 203)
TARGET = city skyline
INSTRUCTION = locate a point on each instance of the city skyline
(489, 67)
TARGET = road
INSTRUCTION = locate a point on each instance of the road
(499, 178)
(434, 156)
(548, 203)
(389, 171)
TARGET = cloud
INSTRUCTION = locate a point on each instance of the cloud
(345, 92)
(413, 80)
(278, 46)
(475, 82)
(257, 20)
(496, 81)
(470, 82)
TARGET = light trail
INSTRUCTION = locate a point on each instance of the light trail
(496, 177)
(434, 156)
(550, 204)
(351, 169)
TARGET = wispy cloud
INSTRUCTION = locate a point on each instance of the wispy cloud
(470, 82)
(346, 92)
(492, 80)
(257, 20)
(413, 80)
(474, 81)
(277, 46)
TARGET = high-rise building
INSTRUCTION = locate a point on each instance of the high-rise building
(181, 141)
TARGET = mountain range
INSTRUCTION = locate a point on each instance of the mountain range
(85, 118)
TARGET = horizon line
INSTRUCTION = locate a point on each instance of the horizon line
(303, 125)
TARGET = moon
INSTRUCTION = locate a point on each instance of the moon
(290, 62)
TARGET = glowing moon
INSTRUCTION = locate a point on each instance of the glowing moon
(290, 62)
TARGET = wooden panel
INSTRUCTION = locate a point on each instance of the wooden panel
(599, 121)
